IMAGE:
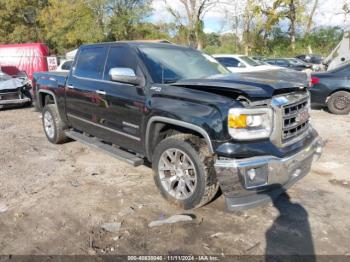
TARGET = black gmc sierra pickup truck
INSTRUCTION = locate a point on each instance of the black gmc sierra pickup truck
(201, 127)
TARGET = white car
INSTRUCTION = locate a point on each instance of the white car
(242, 63)
(65, 65)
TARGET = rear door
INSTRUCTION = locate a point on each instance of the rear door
(121, 115)
(83, 102)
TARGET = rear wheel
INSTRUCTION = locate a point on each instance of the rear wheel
(339, 103)
(54, 127)
(184, 171)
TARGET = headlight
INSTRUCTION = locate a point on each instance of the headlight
(248, 124)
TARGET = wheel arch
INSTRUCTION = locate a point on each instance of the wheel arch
(157, 123)
(42, 94)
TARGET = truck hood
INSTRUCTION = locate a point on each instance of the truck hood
(255, 85)
(10, 85)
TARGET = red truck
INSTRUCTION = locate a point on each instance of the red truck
(29, 58)
(18, 63)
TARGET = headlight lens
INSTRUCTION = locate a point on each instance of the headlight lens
(248, 124)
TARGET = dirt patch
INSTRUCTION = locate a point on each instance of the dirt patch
(56, 197)
(342, 183)
(322, 173)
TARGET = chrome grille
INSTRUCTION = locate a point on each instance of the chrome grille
(295, 119)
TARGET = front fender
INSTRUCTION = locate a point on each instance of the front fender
(203, 112)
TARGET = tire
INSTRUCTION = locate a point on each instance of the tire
(339, 103)
(53, 126)
(201, 184)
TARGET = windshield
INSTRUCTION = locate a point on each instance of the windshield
(249, 61)
(169, 65)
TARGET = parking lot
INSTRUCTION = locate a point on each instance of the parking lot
(54, 199)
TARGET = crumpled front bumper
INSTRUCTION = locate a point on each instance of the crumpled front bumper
(250, 182)
(14, 102)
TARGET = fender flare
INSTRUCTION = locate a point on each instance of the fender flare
(47, 92)
(175, 122)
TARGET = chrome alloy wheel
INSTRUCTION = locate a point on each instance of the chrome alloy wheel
(177, 173)
(49, 125)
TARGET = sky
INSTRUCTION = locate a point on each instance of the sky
(328, 14)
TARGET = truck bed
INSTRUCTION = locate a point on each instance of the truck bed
(54, 78)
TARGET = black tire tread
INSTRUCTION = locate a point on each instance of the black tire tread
(60, 126)
(331, 99)
(207, 160)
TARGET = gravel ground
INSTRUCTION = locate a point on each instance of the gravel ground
(55, 198)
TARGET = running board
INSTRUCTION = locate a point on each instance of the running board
(113, 151)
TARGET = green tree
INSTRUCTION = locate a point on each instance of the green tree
(294, 11)
(125, 19)
(19, 21)
(70, 23)
(190, 24)
(151, 31)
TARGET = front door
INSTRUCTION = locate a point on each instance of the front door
(124, 104)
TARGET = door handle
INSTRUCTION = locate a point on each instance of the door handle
(100, 92)
(70, 86)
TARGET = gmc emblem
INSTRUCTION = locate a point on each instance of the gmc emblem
(302, 117)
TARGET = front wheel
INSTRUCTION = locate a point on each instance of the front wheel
(54, 127)
(184, 171)
(339, 103)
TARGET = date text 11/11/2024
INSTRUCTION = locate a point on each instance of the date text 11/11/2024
(173, 258)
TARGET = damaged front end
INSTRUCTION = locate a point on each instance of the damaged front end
(14, 91)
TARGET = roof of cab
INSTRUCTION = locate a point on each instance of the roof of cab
(141, 43)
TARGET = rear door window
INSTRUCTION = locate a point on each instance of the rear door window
(91, 62)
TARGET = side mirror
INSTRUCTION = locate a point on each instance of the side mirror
(240, 65)
(124, 75)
